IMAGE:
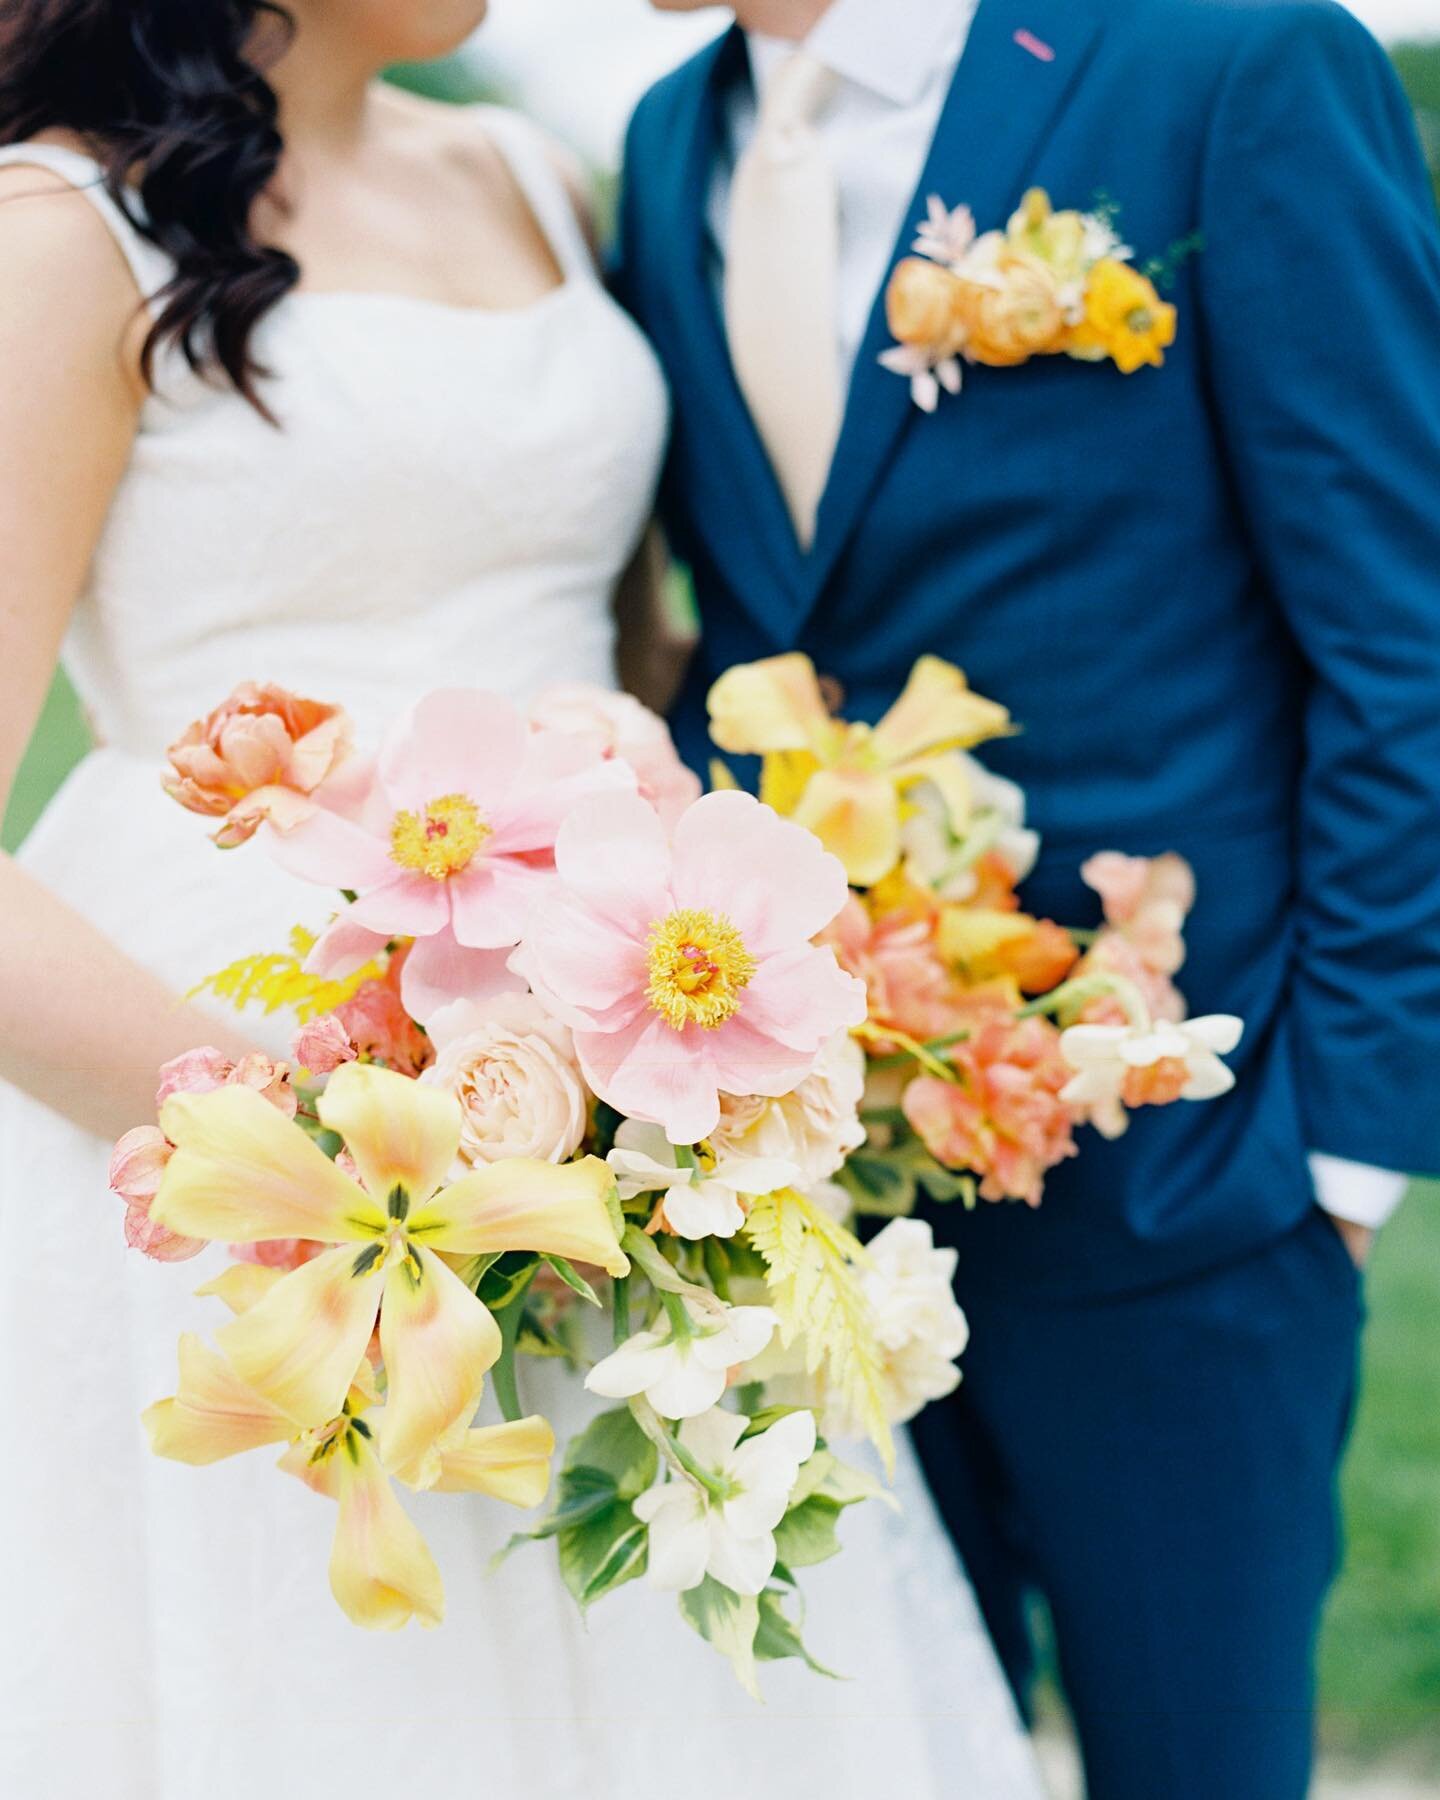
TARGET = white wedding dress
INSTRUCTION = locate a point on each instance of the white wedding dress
(450, 499)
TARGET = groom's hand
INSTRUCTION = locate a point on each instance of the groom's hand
(1358, 1240)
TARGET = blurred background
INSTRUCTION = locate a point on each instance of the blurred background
(580, 65)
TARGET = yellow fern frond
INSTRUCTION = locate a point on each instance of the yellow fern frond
(277, 979)
(813, 1265)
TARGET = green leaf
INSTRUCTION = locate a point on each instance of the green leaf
(765, 1417)
(614, 1444)
(580, 1494)
(806, 1535)
(729, 1622)
(506, 1279)
(575, 1282)
(881, 1187)
(825, 1474)
(779, 1637)
(602, 1552)
(536, 1339)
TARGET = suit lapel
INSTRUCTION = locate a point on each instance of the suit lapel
(1003, 100)
(748, 512)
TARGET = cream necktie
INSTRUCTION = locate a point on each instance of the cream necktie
(780, 285)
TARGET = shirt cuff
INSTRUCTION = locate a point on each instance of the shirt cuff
(1356, 1192)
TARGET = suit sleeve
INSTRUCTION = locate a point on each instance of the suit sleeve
(1320, 313)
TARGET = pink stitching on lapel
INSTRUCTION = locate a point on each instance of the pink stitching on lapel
(1027, 40)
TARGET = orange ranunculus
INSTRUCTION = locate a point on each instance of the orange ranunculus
(259, 755)
(1125, 319)
(922, 306)
(1016, 314)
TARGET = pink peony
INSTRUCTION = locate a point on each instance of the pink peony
(321, 1045)
(258, 756)
(1003, 1119)
(448, 839)
(628, 731)
(686, 969)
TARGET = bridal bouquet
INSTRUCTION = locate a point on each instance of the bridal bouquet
(594, 1067)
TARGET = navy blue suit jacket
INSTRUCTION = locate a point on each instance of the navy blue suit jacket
(1209, 593)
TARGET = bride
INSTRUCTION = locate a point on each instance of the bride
(308, 382)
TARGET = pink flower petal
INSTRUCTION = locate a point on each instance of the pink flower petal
(650, 1071)
(455, 741)
(331, 852)
(802, 998)
(407, 904)
(343, 947)
(591, 965)
(614, 854)
(492, 902)
(773, 880)
(439, 970)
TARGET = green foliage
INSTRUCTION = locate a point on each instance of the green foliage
(1419, 69)
(729, 1622)
(600, 1542)
(1380, 1650)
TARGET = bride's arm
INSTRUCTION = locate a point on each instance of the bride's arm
(81, 1026)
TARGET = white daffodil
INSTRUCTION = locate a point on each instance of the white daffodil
(724, 1526)
(1147, 1064)
(936, 857)
(702, 1187)
(681, 1364)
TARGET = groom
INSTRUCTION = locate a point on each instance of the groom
(1211, 594)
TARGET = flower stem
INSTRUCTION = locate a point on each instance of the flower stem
(507, 1387)
(932, 1065)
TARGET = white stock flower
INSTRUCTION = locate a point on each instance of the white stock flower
(701, 1197)
(920, 1328)
(1135, 1065)
(681, 1364)
(814, 1128)
(693, 1534)
(512, 1069)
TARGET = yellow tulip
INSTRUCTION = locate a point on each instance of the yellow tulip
(846, 782)
(243, 1172)
(381, 1572)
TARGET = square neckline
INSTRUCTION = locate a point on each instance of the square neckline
(520, 171)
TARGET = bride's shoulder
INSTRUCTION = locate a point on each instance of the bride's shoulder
(484, 137)
(61, 257)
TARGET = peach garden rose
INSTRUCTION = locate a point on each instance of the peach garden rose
(260, 755)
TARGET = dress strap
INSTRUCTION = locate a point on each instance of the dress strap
(149, 264)
(525, 148)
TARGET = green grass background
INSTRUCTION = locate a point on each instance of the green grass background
(1380, 1655)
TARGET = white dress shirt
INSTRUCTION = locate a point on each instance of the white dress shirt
(896, 60)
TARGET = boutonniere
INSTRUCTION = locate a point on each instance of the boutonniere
(1050, 284)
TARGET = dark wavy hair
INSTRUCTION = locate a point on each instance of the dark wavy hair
(168, 97)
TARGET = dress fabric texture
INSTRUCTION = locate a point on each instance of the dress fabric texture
(450, 499)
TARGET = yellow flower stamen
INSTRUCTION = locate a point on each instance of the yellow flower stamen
(699, 967)
(442, 840)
